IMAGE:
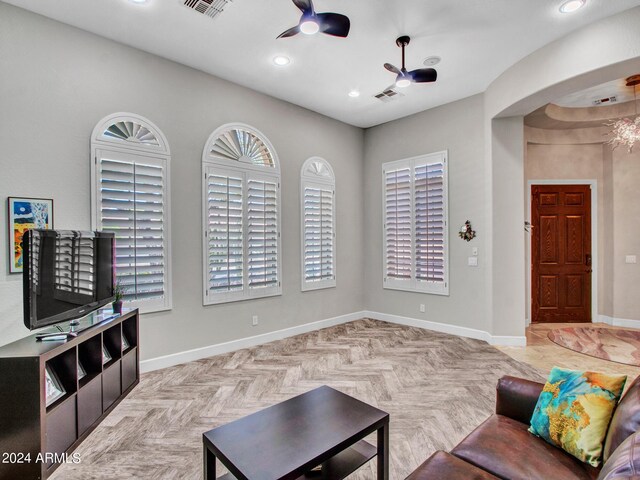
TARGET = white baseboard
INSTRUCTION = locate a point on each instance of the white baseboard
(511, 341)
(226, 347)
(220, 348)
(605, 319)
(619, 322)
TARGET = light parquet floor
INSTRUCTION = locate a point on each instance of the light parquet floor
(436, 387)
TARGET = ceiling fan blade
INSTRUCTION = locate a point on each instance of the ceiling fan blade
(423, 75)
(290, 33)
(305, 5)
(334, 24)
(392, 68)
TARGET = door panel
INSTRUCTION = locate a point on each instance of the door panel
(548, 291)
(561, 253)
(549, 239)
(575, 239)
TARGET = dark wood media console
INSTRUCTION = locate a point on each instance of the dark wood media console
(35, 438)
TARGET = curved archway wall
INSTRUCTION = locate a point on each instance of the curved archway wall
(600, 52)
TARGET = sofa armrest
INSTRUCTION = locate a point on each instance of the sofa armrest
(517, 398)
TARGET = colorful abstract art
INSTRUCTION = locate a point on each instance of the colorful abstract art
(26, 214)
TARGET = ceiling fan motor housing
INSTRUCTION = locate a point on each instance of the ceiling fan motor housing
(403, 41)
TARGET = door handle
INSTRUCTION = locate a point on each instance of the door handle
(587, 260)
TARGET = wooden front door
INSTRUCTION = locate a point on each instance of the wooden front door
(561, 253)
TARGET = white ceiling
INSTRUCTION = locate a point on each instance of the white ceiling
(477, 39)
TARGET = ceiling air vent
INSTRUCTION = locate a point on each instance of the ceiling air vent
(605, 101)
(388, 95)
(210, 8)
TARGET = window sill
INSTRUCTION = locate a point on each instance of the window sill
(442, 293)
(211, 300)
(310, 287)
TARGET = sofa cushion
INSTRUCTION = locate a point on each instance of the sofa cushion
(625, 461)
(442, 465)
(574, 411)
(504, 447)
(625, 420)
(517, 398)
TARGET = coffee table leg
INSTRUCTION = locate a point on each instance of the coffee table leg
(209, 464)
(383, 452)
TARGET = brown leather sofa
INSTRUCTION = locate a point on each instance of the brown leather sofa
(501, 447)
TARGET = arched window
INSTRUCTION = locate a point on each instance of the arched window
(317, 195)
(130, 197)
(241, 216)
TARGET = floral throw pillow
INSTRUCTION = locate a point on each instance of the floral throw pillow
(574, 410)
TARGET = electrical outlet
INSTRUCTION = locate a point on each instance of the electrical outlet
(254, 321)
(422, 308)
(472, 261)
(630, 259)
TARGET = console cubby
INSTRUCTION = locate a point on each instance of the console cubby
(130, 332)
(112, 341)
(64, 368)
(90, 356)
(29, 425)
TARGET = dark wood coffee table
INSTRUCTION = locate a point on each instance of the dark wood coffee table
(321, 427)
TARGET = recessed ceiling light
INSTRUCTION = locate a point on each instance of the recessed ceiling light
(281, 60)
(572, 6)
(431, 61)
(354, 93)
(139, 2)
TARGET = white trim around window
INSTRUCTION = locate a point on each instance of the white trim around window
(415, 234)
(317, 225)
(130, 196)
(240, 216)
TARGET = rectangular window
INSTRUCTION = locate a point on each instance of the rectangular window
(132, 203)
(415, 224)
(242, 238)
(318, 223)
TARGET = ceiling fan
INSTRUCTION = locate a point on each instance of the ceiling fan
(311, 22)
(405, 78)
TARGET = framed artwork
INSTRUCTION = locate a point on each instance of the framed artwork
(26, 214)
(125, 343)
(53, 388)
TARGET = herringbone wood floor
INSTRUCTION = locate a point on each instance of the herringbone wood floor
(436, 387)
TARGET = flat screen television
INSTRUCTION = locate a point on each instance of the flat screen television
(66, 275)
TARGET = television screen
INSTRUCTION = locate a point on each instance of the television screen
(67, 274)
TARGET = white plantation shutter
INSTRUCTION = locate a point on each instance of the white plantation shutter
(398, 225)
(262, 235)
(240, 216)
(318, 236)
(415, 224)
(131, 199)
(132, 206)
(225, 232)
(429, 222)
(318, 225)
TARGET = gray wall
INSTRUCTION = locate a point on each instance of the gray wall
(626, 233)
(457, 127)
(57, 82)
